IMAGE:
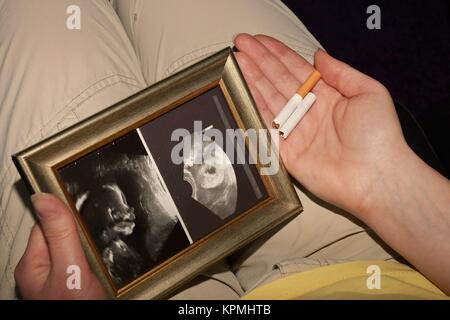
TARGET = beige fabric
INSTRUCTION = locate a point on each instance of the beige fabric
(51, 77)
(168, 35)
(217, 283)
(320, 232)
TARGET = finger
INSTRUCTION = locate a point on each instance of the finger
(288, 57)
(273, 99)
(275, 71)
(297, 65)
(264, 110)
(37, 247)
(35, 261)
(348, 81)
(60, 232)
(266, 114)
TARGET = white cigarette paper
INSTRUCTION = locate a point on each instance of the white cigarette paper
(297, 115)
(287, 110)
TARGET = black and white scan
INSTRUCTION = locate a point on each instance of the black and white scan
(139, 208)
(125, 206)
(208, 170)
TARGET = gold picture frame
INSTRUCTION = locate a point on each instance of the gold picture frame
(40, 167)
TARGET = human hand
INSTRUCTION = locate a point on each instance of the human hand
(53, 246)
(346, 142)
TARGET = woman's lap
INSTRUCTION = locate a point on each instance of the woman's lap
(169, 35)
(51, 77)
(84, 71)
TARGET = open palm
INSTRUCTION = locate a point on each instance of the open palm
(350, 133)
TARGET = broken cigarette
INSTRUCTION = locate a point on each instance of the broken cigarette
(287, 110)
(296, 99)
(297, 115)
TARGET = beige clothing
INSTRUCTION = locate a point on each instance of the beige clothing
(52, 77)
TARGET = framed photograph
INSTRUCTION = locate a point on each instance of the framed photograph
(168, 181)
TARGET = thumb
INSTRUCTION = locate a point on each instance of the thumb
(347, 80)
(60, 232)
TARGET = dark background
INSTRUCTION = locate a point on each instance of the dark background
(410, 55)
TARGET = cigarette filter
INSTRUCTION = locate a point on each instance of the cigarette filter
(297, 115)
(309, 83)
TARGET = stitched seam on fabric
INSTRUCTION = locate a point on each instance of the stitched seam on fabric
(13, 239)
(284, 266)
(103, 84)
(188, 57)
(70, 110)
(106, 83)
(301, 49)
(135, 17)
(260, 281)
(236, 290)
(5, 228)
(335, 241)
(204, 51)
(10, 243)
(121, 78)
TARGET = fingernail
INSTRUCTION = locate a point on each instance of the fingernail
(42, 203)
(235, 36)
